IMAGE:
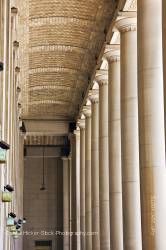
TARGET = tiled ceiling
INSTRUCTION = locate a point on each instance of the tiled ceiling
(63, 41)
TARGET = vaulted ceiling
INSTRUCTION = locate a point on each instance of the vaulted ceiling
(64, 41)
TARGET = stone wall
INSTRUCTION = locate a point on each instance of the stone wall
(43, 209)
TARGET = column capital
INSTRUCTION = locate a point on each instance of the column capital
(14, 11)
(126, 24)
(87, 110)
(101, 77)
(81, 123)
(94, 96)
(17, 69)
(16, 44)
(112, 53)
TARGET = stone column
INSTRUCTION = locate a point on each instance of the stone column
(70, 200)
(73, 192)
(65, 202)
(112, 55)
(129, 135)
(164, 53)
(102, 79)
(77, 134)
(81, 124)
(94, 98)
(151, 124)
(88, 205)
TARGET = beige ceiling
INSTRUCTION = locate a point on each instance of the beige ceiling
(64, 41)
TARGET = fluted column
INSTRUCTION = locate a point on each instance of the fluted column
(93, 96)
(102, 79)
(65, 202)
(81, 124)
(88, 205)
(151, 124)
(116, 229)
(129, 135)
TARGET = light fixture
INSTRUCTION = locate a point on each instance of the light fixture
(8, 188)
(18, 89)
(10, 220)
(43, 177)
(14, 10)
(19, 105)
(1, 66)
(24, 220)
(12, 215)
(18, 226)
(3, 148)
(17, 69)
(13, 229)
(20, 222)
(16, 44)
(7, 193)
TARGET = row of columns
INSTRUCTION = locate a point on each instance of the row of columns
(122, 141)
(12, 172)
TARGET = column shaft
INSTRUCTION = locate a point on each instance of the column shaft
(116, 229)
(82, 184)
(65, 202)
(77, 133)
(70, 201)
(73, 192)
(88, 208)
(164, 54)
(151, 124)
(95, 174)
(129, 135)
(103, 163)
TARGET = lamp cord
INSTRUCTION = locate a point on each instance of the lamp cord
(43, 165)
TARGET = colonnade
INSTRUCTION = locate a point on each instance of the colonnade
(122, 141)
(10, 122)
